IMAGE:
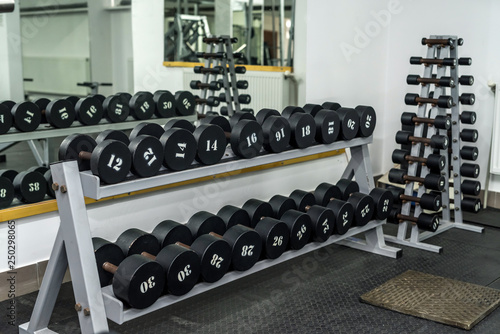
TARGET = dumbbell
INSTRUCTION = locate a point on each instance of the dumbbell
(302, 126)
(466, 80)
(99, 97)
(26, 116)
(242, 98)
(244, 133)
(440, 122)
(197, 84)
(181, 265)
(116, 108)
(469, 135)
(212, 70)
(350, 120)
(217, 40)
(468, 170)
(444, 81)
(178, 146)
(166, 103)
(145, 148)
(7, 192)
(436, 141)
(469, 153)
(323, 219)
(240, 69)
(429, 201)
(433, 61)
(467, 98)
(364, 205)
(276, 130)
(224, 111)
(207, 55)
(424, 221)
(273, 233)
(89, 110)
(135, 241)
(6, 120)
(240, 84)
(210, 140)
(470, 204)
(327, 123)
(110, 160)
(215, 256)
(470, 187)
(465, 61)
(50, 189)
(443, 101)
(29, 186)
(72, 99)
(434, 162)
(246, 246)
(467, 117)
(431, 181)
(437, 41)
(142, 105)
(169, 232)
(299, 224)
(58, 113)
(212, 101)
(137, 280)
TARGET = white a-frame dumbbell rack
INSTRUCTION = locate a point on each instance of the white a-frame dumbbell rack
(438, 51)
(73, 245)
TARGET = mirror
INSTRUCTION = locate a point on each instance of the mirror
(259, 26)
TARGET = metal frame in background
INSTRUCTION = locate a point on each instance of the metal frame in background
(416, 237)
(73, 245)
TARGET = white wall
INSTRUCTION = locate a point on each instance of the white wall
(357, 52)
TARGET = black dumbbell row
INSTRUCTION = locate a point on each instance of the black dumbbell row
(60, 113)
(142, 266)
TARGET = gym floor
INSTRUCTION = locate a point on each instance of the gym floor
(316, 293)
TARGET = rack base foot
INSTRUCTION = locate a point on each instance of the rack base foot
(23, 329)
(360, 244)
(414, 244)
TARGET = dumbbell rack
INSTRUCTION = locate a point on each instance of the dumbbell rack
(73, 245)
(228, 75)
(446, 223)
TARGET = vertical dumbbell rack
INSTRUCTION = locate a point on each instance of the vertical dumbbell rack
(227, 63)
(73, 245)
(437, 51)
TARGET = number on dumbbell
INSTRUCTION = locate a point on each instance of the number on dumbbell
(182, 147)
(385, 206)
(325, 225)
(306, 131)
(64, 113)
(365, 211)
(167, 105)
(3, 193)
(181, 276)
(145, 106)
(252, 139)
(301, 232)
(216, 261)
(247, 250)
(368, 121)
(351, 124)
(33, 186)
(118, 163)
(345, 218)
(186, 103)
(212, 147)
(28, 119)
(92, 111)
(280, 134)
(150, 283)
(331, 127)
(149, 156)
(278, 241)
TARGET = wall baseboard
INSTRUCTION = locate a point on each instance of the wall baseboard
(24, 280)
